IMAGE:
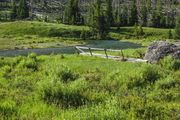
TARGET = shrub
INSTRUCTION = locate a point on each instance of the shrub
(17, 60)
(95, 75)
(169, 63)
(177, 29)
(150, 74)
(67, 75)
(138, 31)
(168, 83)
(69, 95)
(62, 73)
(83, 35)
(2, 62)
(62, 56)
(5, 71)
(7, 107)
(139, 53)
(33, 56)
(28, 63)
(170, 35)
(143, 77)
(141, 31)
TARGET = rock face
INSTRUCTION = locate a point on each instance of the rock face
(159, 49)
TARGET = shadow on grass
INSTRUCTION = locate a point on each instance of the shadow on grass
(123, 31)
(112, 44)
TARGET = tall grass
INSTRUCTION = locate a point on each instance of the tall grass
(79, 87)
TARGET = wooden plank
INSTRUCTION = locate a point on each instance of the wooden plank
(99, 49)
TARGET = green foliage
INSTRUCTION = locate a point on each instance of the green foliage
(133, 17)
(139, 53)
(168, 83)
(150, 74)
(64, 95)
(109, 13)
(138, 31)
(95, 75)
(177, 29)
(7, 107)
(170, 35)
(144, 12)
(67, 75)
(30, 63)
(72, 13)
(63, 73)
(14, 11)
(83, 35)
(169, 63)
(23, 10)
(99, 24)
(114, 90)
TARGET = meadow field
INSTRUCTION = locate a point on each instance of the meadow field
(73, 87)
(32, 34)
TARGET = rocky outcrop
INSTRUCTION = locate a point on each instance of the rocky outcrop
(159, 49)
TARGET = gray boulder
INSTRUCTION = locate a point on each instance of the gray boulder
(159, 49)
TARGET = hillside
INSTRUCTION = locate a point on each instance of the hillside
(55, 9)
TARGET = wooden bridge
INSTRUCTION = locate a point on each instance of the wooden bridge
(89, 52)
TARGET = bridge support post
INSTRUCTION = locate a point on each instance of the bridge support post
(90, 51)
(105, 50)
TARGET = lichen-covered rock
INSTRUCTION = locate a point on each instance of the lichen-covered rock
(159, 49)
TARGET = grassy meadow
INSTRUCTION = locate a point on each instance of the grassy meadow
(74, 87)
(31, 34)
(68, 87)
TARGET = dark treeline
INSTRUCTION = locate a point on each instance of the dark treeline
(155, 13)
(99, 14)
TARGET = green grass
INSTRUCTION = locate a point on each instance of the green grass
(32, 34)
(24, 33)
(151, 34)
(78, 87)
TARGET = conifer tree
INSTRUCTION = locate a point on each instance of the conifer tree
(170, 35)
(109, 12)
(144, 12)
(177, 29)
(124, 16)
(14, 11)
(134, 14)
(72, 14)
(157, 20)
(23, 10)
(100, 27)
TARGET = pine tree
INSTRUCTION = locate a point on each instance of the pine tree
(124, 16)
(100, 26)
(154, 18)
(170, 35)
(177, 29)
(0, 16)
(160, 18)
(134, 14)
(141, 31)
(109, 13)
(23, 10)
(136, 30)
(14, 11)
(144, 12)
(72, 14)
